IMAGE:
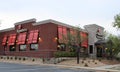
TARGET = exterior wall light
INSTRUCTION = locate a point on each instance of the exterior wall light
(58, 46)
(40, 40)
(56, 38)
(106, 48)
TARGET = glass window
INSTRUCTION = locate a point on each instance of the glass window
(62, 47)
(12, 48)
(34, 47)
(22, 47)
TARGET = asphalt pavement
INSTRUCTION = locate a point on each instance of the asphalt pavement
(11, 67)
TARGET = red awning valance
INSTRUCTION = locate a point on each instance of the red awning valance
(21, 38)
(11, 40)
(4, 40)
(33, 36)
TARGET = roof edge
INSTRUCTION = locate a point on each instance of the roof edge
(25, 21)
(8, 29)
(52, 21)
(93, 25)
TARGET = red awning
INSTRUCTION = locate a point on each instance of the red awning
(11, 40)
(60, 32)
(33, 36)
(4, 40)
(21, 38)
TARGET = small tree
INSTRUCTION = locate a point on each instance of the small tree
(116, 22)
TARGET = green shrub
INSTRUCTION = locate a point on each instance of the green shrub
(11, 58)
(19, 58)
(15, 58)
(7, 57)
(33, 60)
(82, 61)
(1, 57)
(64, 54)
(100, 59)
(24, 59)
(86, 65)
(88, 61)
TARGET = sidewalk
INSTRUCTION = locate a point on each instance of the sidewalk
(102, 68)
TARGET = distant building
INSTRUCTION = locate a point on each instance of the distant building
(42, 39)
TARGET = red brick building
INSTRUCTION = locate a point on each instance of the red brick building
(35, 39)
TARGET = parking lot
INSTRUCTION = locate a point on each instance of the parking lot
(11, 67)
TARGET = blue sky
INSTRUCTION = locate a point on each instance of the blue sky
(73, 12)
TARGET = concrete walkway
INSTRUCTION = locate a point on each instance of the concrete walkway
(107, 66)
(102, 68)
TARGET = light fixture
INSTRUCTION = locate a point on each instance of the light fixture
(56, 38)
(40, 39)
(106, 48)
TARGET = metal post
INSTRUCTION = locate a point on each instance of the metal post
(78, 54)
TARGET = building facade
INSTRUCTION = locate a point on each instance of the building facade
(42, 39)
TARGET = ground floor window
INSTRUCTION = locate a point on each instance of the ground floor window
(34, 47)
(12, 48)
(91, 49)
(22, 48)
(62, 47)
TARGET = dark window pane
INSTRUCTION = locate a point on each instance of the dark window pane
(34, 47)
(91, 49)
(12, 48)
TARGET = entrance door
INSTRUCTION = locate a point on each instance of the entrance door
(99, 50)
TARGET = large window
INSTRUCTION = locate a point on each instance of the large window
(22, 47)
(21, 38)
(33, 36)
(34, 47)
(12, 48)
